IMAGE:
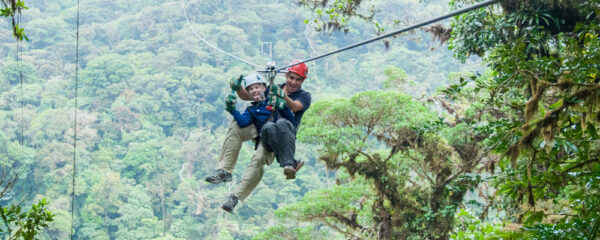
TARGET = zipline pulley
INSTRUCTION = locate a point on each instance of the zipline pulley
(270, 73)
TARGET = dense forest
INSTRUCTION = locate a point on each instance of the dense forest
(481, 126)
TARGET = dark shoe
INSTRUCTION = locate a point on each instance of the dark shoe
(221, 176)
(229, 205)
(299, 164)
(289, 171)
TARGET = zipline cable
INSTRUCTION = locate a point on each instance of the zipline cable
(210, 44)
(75, 126)
(452, 14)
(20, 63)
(22, 128)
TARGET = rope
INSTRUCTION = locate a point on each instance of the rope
(452, 14)
(210, 44)
(75, 126)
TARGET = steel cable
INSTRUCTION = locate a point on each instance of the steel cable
(418, 25)
(75, 126)
(210, 44)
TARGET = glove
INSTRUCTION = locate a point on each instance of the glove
(277, 102)
(230, 102)
(276, 91)
(235, 84)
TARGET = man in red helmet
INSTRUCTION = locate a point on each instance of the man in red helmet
(277, 138)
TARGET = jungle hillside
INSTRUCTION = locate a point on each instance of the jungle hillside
(483, 125)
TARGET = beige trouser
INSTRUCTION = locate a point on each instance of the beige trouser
(229, 155)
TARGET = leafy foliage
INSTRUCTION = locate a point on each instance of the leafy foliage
(25, 225)
(282, 233)
(340, 207)
(12, 9)
(470, 227)
(335, 15)
(151, 118)
(417, 167)
(539, 107)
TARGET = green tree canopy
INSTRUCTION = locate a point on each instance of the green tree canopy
(417, 167)
(540, 107)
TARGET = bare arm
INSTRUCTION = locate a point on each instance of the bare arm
(244, 95)
(295, 106)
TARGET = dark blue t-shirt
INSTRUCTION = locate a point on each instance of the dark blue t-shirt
(304, 98)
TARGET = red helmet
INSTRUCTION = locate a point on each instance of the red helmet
(300, 69)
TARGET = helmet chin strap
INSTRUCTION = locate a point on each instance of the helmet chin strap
(261, 97)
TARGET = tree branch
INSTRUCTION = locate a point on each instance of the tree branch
(323, 217)
(581, 164)
(553, 115)
(423, 174)
(469, 164)
(9, 230)
(366, 155)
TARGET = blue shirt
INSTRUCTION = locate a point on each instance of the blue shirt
(258, 114)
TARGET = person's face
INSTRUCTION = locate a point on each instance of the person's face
(256, 91)
(293, 82)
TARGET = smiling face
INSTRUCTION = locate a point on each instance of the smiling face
(293, 82)
(256, 91)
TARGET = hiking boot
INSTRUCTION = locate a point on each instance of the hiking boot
(229, 205)
(221, 176)
(289, 171)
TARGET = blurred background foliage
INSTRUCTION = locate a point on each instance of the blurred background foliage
(492, 138)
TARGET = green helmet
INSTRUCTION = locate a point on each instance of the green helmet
(254, 78)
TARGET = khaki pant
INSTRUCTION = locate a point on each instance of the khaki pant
(229, 155)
